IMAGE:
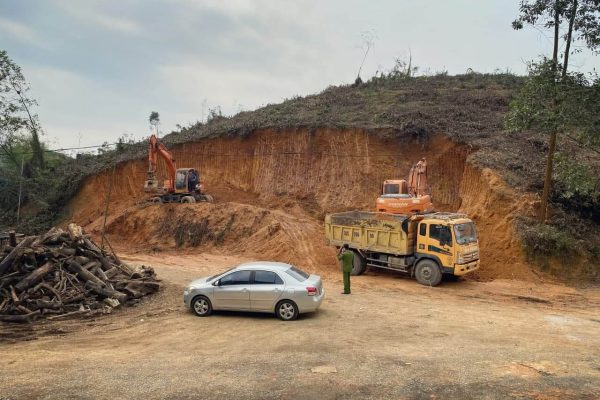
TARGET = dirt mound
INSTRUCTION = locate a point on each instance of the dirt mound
(230, 228)
(292, 178)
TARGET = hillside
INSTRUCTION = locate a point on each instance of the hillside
(289, 164)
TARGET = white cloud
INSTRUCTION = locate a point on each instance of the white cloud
(116, 23)
(21, 32)
(92, 12)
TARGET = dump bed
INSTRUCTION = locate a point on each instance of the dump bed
(372, 231)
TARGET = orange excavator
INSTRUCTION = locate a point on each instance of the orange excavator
(183, 184)
(401, 197)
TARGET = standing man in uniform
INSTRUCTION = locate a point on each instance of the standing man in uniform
(347, 258)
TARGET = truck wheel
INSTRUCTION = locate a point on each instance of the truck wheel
(188, 199)
(428, 273)
(359, 264)
(206, 197)
(156, 200)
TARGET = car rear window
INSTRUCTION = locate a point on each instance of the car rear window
(297, 274)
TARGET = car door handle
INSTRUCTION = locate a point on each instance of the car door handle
(244, 290)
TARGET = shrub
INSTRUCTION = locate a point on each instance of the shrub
(546, 240)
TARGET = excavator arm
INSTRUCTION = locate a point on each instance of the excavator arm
(156, 149)
(417, 179)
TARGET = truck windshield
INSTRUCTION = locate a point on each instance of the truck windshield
(465, 233)
(391, 189)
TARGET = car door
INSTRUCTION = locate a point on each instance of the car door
(265, 290)
(233, 291)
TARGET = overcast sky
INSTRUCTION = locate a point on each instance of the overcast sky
(98, 68)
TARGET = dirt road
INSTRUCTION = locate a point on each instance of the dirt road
(391, 339)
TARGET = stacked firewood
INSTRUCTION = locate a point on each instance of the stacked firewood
(63, 273)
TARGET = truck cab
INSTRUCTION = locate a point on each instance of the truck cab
(450, 240)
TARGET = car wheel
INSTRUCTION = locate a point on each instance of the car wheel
(428, 273)
(201, 306)
(286, 310)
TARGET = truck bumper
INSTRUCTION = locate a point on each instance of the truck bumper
(462, 269)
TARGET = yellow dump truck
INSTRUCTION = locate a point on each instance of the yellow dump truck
(425, 246)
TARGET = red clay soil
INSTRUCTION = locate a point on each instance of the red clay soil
(272, 190)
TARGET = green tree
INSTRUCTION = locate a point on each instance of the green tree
(15, 114)
(543, 101)
(154, 120)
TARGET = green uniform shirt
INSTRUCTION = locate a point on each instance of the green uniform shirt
(347, 258)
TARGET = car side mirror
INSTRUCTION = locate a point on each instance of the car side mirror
(217, 283)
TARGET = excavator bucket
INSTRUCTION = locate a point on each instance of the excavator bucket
(150, 185)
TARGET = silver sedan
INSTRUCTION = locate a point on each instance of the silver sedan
(260, 286)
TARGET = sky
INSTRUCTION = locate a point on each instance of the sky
(98, 68)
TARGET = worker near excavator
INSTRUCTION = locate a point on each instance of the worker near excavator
(347, 258)
(192, 180)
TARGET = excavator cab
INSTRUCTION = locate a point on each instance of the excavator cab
(182, 179)
(392, 186)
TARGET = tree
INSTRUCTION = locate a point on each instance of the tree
(154, 120)
(368, 41)
(15, 114)
(583, 24)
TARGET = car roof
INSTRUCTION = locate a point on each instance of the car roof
(272, 265)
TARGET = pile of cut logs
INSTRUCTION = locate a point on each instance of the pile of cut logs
(62, 274)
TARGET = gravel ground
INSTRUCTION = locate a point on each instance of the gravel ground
(392, 338)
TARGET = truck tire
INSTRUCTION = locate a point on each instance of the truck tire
(188, 199)
(156, 200)
(359, 264)
(428, 273)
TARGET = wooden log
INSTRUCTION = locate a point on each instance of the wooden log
(50, 288)
(69, 314)
(35, 276)
(66, 251)
(24, 309)
(8, 260)
(53, 232)
(75, 233)
(103, 291)
(14, 296)
(12, 239)
(53, 305)
(112, 272)
(19, 318)
(91, 265)
(84, 274)
(74, 299)
(82, 260)
(90, 245)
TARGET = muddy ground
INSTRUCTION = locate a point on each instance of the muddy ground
(392, 338)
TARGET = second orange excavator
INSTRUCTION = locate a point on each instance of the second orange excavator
(183, 184)
(401, 197)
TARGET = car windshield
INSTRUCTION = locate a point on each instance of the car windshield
(297, 274)
(222, 273)
(465, 233)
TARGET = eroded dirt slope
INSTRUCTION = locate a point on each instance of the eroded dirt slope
(292, 178)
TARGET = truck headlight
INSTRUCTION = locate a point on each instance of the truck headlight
(460, 258)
